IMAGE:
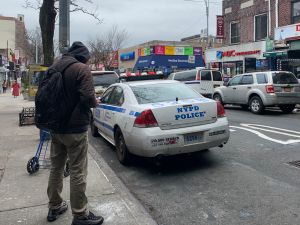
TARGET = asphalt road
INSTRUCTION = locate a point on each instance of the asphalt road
(249, 181)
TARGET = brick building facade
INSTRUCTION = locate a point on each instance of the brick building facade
(245, 11)
(13, 39)
(258, 35)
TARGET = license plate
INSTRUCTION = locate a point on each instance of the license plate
(287, 89)
(192, 138)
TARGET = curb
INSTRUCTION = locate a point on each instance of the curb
(137, 210)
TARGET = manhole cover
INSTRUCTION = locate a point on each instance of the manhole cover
(295, 163)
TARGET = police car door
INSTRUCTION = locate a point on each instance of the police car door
(99, 117)
(112, 109)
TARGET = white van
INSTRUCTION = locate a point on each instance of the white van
(203, 81)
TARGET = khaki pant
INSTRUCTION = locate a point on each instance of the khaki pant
(74, 147)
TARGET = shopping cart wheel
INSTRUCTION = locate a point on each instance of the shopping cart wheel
(67, 169)
(33, 165)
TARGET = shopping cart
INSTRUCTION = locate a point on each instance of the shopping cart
(42, 155)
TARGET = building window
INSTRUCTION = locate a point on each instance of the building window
(235, 33)
(296, 12)
(261, 27)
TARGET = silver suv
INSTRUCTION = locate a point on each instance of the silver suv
(261, 89)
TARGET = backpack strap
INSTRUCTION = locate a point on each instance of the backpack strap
(71, 62)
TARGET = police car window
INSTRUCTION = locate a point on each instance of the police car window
(163, 92)
(235, 81)
(186, 76)
(116, 97)
(217, 76)
(205, 75)
(106, 95)
(262, 78)
(247, 79)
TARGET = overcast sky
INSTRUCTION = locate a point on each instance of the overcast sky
(144, 20)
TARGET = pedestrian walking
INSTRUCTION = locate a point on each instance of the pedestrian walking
(71, 141)
(4, 86)
(15, 89)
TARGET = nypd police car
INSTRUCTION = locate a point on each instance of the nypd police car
(151, 118)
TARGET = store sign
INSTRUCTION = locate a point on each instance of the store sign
(220, 27)
(290, 31)
(169, 50)
(179, 50)
(233, 53)
(188, 51)
(197, 51)
(159, 50)
(127, 56)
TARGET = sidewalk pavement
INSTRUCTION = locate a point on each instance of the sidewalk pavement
(23, 198)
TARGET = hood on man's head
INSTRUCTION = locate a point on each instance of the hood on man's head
(79, 51)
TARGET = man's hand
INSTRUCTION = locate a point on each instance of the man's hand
(98, 101)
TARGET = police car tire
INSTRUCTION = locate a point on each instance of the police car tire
(94, 130)
(259, 109)
(123, 154)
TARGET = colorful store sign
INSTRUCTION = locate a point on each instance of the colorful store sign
(188, 51)
(197, 51)
(179, 50)
(159, 50)
(169, 50)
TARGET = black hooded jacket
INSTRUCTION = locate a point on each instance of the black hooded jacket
(79, 89)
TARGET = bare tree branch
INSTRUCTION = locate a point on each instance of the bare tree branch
(104, 47)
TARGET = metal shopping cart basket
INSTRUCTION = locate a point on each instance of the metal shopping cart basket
(42, 155)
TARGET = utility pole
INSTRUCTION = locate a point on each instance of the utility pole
(207, 16)
(64, 25)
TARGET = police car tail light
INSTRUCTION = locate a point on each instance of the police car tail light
(221, 110)
(270, 89)
(145, 119)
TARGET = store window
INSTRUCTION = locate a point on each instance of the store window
(261, 25)
(235, 32)
(296, 12)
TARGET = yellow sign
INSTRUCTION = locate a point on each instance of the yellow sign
(169, 50)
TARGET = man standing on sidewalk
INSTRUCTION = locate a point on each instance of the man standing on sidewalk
(72, 140)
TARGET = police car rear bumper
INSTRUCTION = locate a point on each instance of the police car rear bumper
(150, 142)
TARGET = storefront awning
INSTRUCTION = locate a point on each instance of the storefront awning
(169, 61)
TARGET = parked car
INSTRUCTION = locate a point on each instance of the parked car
(261, 89)
(103, 79)
(158, 117)
(204, 81)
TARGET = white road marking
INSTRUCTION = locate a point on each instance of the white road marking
(254, 131)
(272, 129)
(232, 130)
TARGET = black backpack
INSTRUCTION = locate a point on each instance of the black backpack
(51, 106)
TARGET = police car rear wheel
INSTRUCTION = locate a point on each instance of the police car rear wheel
(123, 154)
